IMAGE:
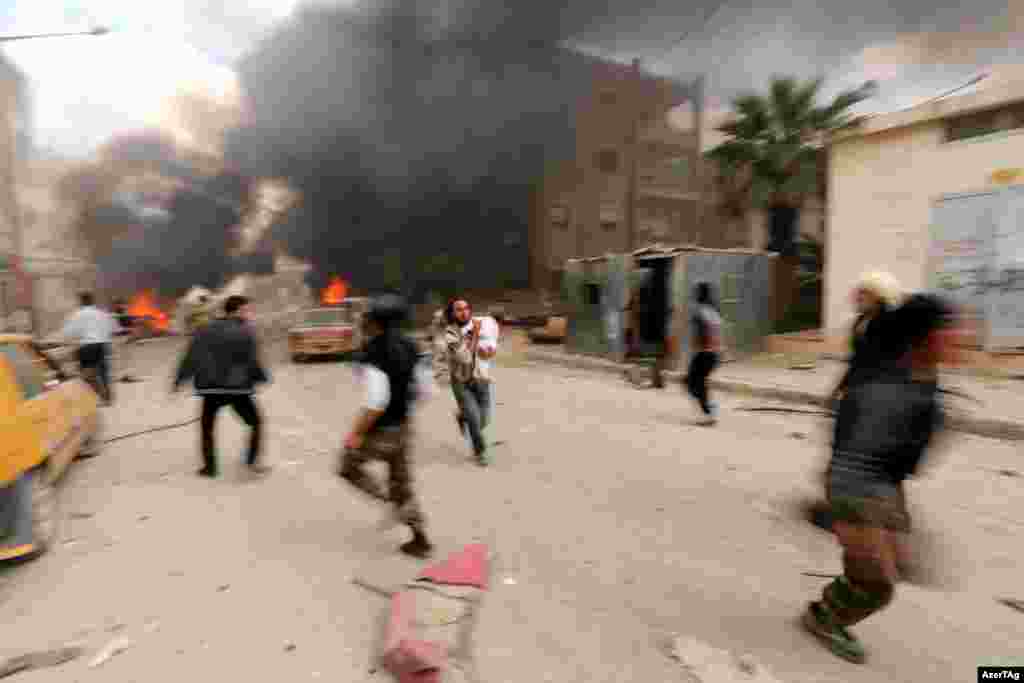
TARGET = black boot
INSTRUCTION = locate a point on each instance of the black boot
(419, 546)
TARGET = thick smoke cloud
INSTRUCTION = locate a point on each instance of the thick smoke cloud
(415, 135)
(189, 240)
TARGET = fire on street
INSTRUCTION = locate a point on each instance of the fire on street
(616, 525)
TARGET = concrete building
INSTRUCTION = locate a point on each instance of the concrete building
(888, 174)
(630, 167)
(57, 261)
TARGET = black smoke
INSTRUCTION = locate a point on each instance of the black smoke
(192, 242)
(416, 135)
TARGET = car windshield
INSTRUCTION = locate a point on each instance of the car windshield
(339, 315)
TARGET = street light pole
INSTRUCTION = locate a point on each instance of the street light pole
(98, 31)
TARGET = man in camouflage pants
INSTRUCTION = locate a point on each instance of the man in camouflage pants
(393, 380)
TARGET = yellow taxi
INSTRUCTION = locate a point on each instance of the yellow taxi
(47, 418)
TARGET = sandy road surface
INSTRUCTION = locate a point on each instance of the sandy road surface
(615, 521)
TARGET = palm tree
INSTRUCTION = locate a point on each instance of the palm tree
(773, 157)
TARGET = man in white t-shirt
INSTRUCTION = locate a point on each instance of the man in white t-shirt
(471, 344)
(93, 330)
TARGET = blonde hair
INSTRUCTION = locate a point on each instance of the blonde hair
(883, 286)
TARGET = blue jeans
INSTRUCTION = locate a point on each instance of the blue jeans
(474, 399)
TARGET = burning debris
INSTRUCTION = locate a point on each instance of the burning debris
(334, 293)
(144, 309)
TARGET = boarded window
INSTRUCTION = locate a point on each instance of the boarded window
(608, 161)
(977, 124)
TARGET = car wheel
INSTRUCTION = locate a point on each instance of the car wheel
(45, 513)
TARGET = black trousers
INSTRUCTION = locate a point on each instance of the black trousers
(701, 366)
(245, 407)
(94, 363)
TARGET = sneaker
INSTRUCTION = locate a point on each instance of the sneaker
(417, 547)
(841, 642)
(259, 469)
(483, 459)
(707, 421)
(207, 472)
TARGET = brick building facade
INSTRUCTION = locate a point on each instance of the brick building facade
(631, 166)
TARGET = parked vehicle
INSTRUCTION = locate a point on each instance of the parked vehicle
(328, 330)
(48, 417)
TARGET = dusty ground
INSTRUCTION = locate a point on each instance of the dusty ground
(616, 524)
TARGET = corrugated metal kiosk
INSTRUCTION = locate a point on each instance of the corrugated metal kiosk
(597, 291)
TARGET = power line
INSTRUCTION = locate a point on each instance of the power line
(710, 14)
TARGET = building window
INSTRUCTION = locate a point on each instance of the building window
(608, 161)
(609, 226)
(977, 124)
(559, 216)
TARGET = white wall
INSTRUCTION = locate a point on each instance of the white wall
(880, 191)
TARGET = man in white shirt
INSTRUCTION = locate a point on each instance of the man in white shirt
(472, 344)
(93, 330)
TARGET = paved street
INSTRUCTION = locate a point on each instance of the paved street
(616, 523)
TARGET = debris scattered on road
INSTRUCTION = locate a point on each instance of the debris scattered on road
(144, 518)
(1009, 473)
(1013, 604)
(711, 665)
(819, 575)
(82, 515)
(130, 379)
(510, 581)
(290, 647)
(798, 435)
(112, 649)
(782, 409)
(43, 659)
(151, 626)
(362, 583)
(223, 588)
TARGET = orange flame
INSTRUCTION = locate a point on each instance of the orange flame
(143, 306)
(335, 292)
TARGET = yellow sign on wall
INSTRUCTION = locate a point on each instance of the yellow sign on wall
(1006, 176)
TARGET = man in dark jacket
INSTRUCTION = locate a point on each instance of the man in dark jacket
(223, 361)
(881, 437)
(393, 379)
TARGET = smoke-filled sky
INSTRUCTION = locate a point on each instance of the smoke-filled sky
(85, 89)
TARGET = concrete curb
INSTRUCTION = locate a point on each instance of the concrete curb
(1005, 430)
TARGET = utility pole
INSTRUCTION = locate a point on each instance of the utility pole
(697, 174)
(634, 151)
